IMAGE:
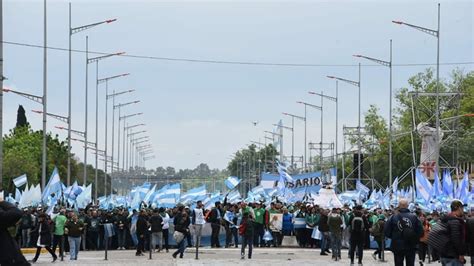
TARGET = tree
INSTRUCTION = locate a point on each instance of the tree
(21, 117)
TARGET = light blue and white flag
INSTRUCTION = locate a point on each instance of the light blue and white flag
(20, 181)
(54, 185)
(194, 194)
(148, 196)
(423, 187)
(437, 189)
(462, 192)
(17, 195)
(232, 181)
(282, 171)
(448, 188)
(364, 190)
(234, 196)
(395, 186)
(258, 190)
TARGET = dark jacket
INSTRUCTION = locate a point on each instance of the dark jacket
(10, 252)
(457, 235)
(215, 216)
(249, 228)
(155, 222)
(470, 236)
(392, 230)
(142, 225)
(45, 233)
(74, 228)
(323, 223)
(181, 224)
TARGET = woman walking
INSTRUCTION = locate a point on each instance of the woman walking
(73, 229)
(246, 230)
(43, 233)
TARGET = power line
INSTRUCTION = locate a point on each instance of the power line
(209, 61)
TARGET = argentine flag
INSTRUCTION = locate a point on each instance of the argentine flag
(423, 186)
(53, 186)
(20, 181)
(232, 181)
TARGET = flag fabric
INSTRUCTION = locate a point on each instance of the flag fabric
(193, 194)
(362, 188)
(84, 198)
(395, 186)
(258, 190)
(149, 194)
(282, 171)
(234, 196)
(462, 192)
(437, 189)
(448, 188)
(54, 185)
(423, 186)
(20, 181)
(232, 181)
(17, 195)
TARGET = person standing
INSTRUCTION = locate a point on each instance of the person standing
(93, 226)
(43, 236)
(10, 251)
(357, 235)
(453, 253)
(324, 229)
(259, 228)
(423, 245)
(156, 222)
(181, 228)
(215, 220)
(198, 222)
(246, 230)
(470, 234)
(405, 230)
(142, 226)
(335, 223)
(121, 225)
(26, 223)
(73, 229)
(166, 225)
(58, 236)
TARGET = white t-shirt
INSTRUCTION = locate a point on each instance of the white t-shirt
(166, 221)
(199, 216)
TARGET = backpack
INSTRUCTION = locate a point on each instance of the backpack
(357, 225)
(438, 237)
(407, 232)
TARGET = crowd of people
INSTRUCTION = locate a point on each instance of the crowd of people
(444, 237)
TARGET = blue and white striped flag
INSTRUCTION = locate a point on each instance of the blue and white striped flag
(258, 190)
(234, 196)
(193, 194)
(232, 181)
(362, 188)
(20, 181)
(462, 192)
(437, 189)
(448, 187)
(423, 186)
(54, 185)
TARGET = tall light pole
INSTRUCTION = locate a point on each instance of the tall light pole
(119, 107)
(45, 93)
(112, 96)
(293, 135)
(435, 33)
(129, 143)
(334, 99)
(125, 117)
(71, 32)
(320, 108)
(389, 65)
(359, 144)
(99, 81)
(1, 94)
(90, 61)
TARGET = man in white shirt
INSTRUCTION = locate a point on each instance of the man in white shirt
(198, 222)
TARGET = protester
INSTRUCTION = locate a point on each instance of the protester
(93, 224)
(405, 230)
(26, 224)
(58, 235)
(215, 220)
(181, 227)
(335, 223)
(10, 251)
(166, 218)
(453, 253)
(357, 227)
(324, 229)
(142, 227)
(121, 228)
(198, 222)
(377, 231)
(423, 244)
(73, 229)
(470, 234)
(246, 230)
(42, 235)
(259, 226)
(156, 222)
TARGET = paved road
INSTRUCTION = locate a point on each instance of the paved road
(231, 256)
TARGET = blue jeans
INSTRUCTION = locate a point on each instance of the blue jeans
(336, 244)
(181, 247)
(450, 262)
(324, 241)
(74, 245)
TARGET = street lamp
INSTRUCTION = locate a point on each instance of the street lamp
(293, 134)
(320, 108)
(129, 143)
(119, 106)
(125, 117)
(357, 84)
(99, 81)
(436, 34)
(389, 65)
(73, 31)
(334, 99)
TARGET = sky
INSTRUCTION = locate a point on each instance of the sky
(202, 112)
